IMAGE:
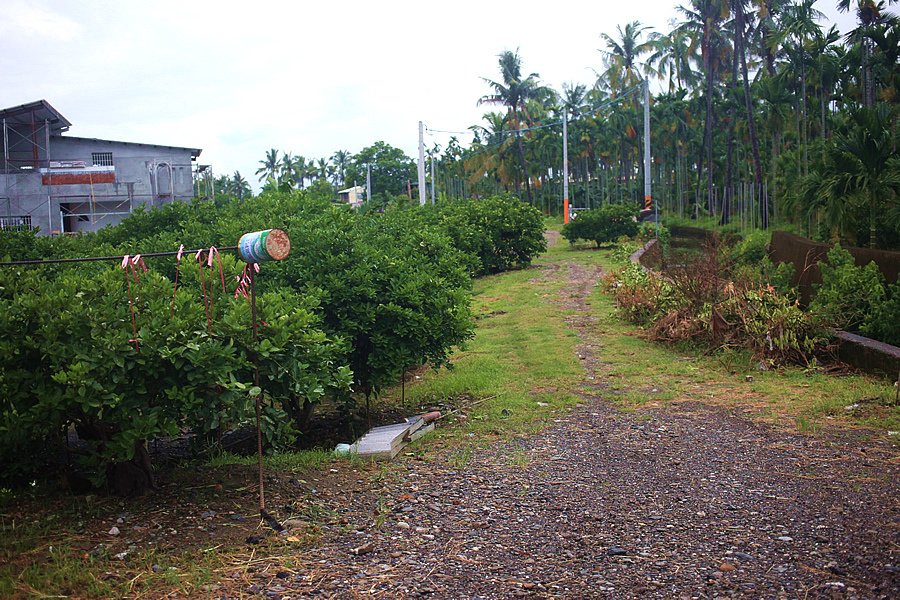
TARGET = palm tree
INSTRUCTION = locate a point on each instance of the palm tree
(703, 24)
(672, 57)
(741, 58)
(573, 101)
(798, 26)
(574, 97)
(827, 64)
(513, 91)
(239, 186)
(340, 160)
(285, 169)
(621, 58)
(777, 100)
(488, 155)
(861, 170)
(269, 166)
(869, 13)
(671, 127)
(307, 170)
(323, 168)
(222, 185)
(294, 170)
(886, 55)
(767, 38)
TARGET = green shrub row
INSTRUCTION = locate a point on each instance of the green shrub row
(361, 298)
(501, 232)
(69, 358)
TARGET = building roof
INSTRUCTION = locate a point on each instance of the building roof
(195, 152)
(40, 110)
(35, 112)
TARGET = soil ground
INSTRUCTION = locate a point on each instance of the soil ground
(687, 500)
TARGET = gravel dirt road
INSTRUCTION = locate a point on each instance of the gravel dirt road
(684, 501)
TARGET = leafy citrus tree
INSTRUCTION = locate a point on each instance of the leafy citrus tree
(122, 359)
(501, 232)
(398, 295)
(602, 225)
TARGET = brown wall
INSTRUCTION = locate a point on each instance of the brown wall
(805, 254)
(690, 232)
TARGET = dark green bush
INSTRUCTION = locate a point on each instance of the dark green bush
(602, 225)
(848, 293)
(68, 359)
(752, 248)
(501, 232)
(883, 323)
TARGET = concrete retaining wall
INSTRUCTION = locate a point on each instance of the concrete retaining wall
(865, 354)
(804, 254)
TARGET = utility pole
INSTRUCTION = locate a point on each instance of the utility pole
(368, 182)
(432, 179)
(648, 195)
(421, 163)
(565, 167)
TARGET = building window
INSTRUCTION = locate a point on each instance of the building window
(22, 223)
(102, 159)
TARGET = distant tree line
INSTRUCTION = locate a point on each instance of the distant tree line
(766, 117)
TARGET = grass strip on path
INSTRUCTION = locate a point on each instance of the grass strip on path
(639, 371)
(524, 354)
(519, 369)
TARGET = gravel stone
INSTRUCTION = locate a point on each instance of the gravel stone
(682, 485)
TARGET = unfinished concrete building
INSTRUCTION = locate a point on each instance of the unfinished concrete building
(59, 183)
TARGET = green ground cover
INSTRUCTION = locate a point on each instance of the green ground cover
(517, 373)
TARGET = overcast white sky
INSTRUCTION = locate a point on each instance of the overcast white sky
(238, 78)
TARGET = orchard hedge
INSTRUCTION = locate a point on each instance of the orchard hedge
(362, 298)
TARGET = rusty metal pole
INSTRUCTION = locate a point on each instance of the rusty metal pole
(34, 144)
(6, 174)
(259, 448)
(49, 175)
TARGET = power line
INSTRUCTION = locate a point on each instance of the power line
(593, 109)
(430, 130)
(48, 261)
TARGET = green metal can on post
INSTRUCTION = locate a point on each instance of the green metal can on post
(254, 248)
(264, 246)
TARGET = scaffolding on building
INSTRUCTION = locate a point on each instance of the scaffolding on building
(23, 128)
(30, 192)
